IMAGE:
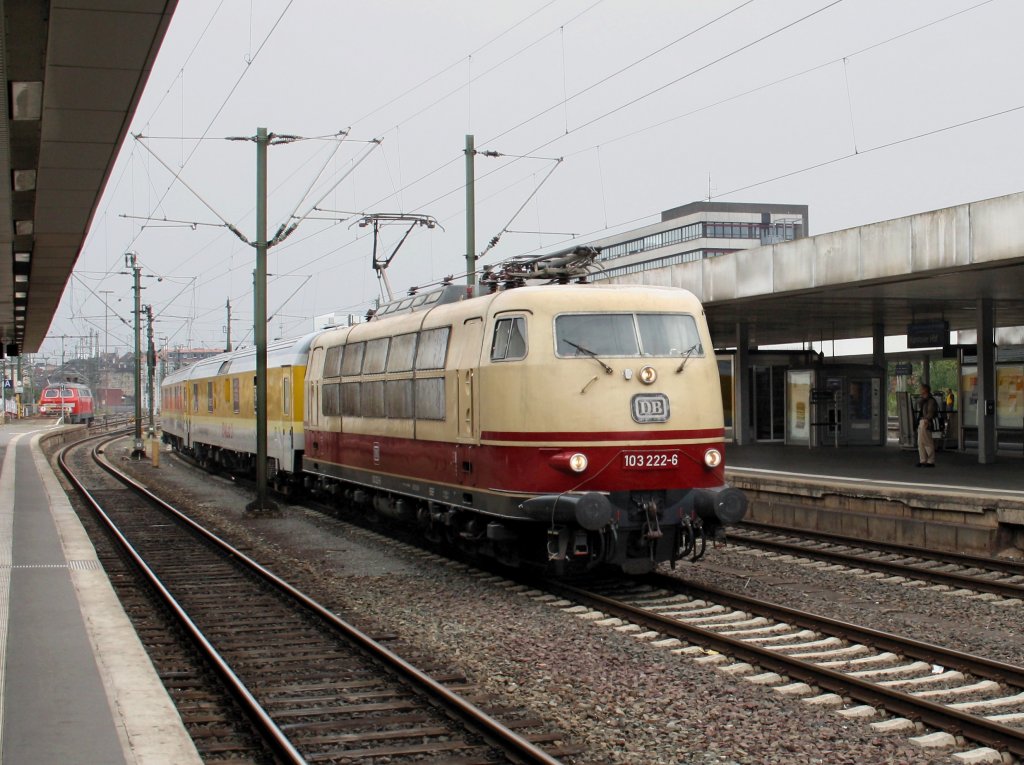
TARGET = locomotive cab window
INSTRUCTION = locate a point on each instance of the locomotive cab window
(627, 334)
(604, 334)
(509, 341)
(668, 334)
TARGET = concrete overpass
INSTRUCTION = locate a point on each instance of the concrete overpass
(74, 72)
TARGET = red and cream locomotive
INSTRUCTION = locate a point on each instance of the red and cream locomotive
(562, 425)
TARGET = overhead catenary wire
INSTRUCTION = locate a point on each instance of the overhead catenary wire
(625, 69)
(285, 231)
(729, 55)
(902, 140)
(734, 189)
(781, 80)
(865, 49)
(880, 147)
(459, 157)
(251, 57)
(224, 103)
(460, 60)
(645, 95)
(342, 135)
(497, 237)
(455, 158)
(177, 177)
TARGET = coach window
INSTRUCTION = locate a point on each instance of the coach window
(376, 356)
(235, 402)
(332, 361)
(433, 348)
(403, 351)
(371, 394)
(350, 399)
(331, 401)
(195, 397)
(352, 359)
(509, 342)
(430, 399)
(398, 399)
(209, 396)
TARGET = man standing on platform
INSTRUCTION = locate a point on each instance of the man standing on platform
(927, 409)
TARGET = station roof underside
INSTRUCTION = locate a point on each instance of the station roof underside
(76, 70)
(840, 285)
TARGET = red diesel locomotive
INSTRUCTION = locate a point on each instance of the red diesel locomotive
(71, 399)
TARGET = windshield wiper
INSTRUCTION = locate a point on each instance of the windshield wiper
(581, 349)
(686, 356)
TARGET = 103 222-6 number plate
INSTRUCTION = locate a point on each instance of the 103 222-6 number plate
(650, 460)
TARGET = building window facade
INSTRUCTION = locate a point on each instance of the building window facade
(766, 233)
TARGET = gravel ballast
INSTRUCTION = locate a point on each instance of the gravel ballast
(624, 701)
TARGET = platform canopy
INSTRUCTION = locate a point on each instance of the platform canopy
(74, 71)
(930, 269)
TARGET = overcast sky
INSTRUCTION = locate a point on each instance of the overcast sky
(864, 110)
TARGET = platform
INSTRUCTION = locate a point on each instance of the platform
(879, 493)
(77, 685)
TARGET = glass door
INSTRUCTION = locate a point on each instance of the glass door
(769, 402)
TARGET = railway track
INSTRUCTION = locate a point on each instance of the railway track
(864, 673)
(967, 700)
(314, 687)
(994, 576)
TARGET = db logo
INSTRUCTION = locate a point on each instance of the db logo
(650, 407)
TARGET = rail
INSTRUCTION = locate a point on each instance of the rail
(491, 729)
(941, 716)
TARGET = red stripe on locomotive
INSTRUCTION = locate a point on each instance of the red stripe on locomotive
(516, 469)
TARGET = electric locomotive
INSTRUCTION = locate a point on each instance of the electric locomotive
(560, 426)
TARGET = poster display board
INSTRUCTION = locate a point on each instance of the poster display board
(969, 396)
(798, 406)
(1010, 396)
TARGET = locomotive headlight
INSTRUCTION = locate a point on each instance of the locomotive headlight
(648, 375)
(578, 462)
(712, 458)
(569, 462)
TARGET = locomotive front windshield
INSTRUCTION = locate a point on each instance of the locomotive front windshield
(627, 334)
